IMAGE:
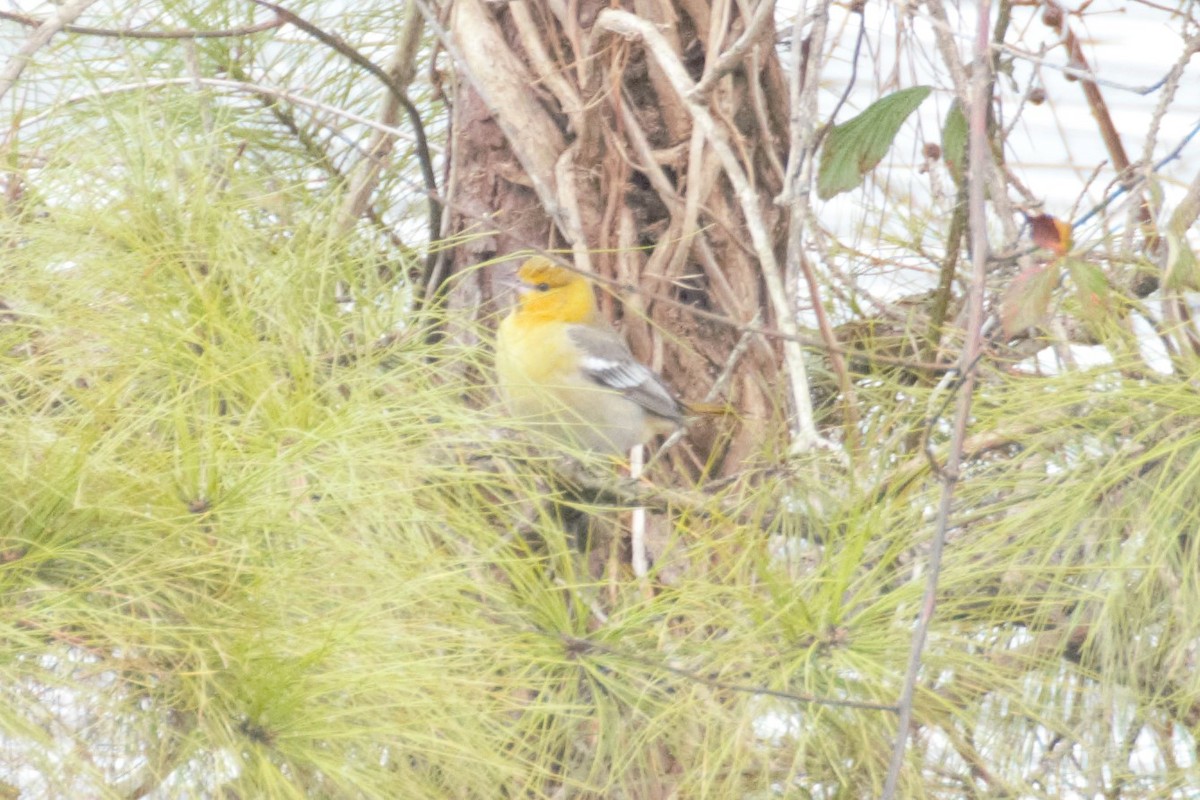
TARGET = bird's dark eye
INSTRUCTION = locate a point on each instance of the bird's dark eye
(543, 287)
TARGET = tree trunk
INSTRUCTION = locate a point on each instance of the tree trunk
(567, 137)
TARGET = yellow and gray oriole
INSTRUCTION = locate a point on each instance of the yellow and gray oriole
(567, 374)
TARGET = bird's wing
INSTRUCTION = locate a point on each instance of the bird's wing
(607, 361)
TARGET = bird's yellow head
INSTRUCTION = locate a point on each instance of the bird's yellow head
(551, 293)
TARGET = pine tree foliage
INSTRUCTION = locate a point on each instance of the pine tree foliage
(266, 532)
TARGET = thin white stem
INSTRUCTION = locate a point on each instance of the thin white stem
(803, 124)
(638, 557)
(626, 24)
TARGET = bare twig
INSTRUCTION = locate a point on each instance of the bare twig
(758, 101)
(795, 195)
(949, 269)
(37, 40)
(1178, 253)
(858, 43)
(702, 172)
(1082, 73)
(533, 42)
(568, 204)
(1186, 212)
(838, 363)
(1170, 89)
(995, 177)
(731, 58)
(424, 159)
(1055, 17)
(979, 150)
(735, 355)
(364, 181)
(1127, 187)
(623, 23)
(134, 33)
(806, 141)
(192, 59)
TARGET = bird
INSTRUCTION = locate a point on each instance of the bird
(562, 371)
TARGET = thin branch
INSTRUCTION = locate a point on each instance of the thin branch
(625, 24)
(718, 385)
(1130, 186)
(567, 195)
(858, 43)
(1081, 73)
(801, 221)
(365, 179)
(836, 361)
(133, 33)
(948, 271)
(37, 40)
(979, 151)
(758, 101)
(1056, 18)
(796, 195)
(732, 58)
(1186, 213)
(944, 37)
(424, 159)
(533, 42)
(639, 558)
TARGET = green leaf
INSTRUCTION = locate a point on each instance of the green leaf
(954, 141)
(1093, 291)
(1027, 299)
(856, 146)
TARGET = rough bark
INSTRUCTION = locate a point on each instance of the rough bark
(569, 138)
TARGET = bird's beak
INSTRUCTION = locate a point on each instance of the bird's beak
(513, 284)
